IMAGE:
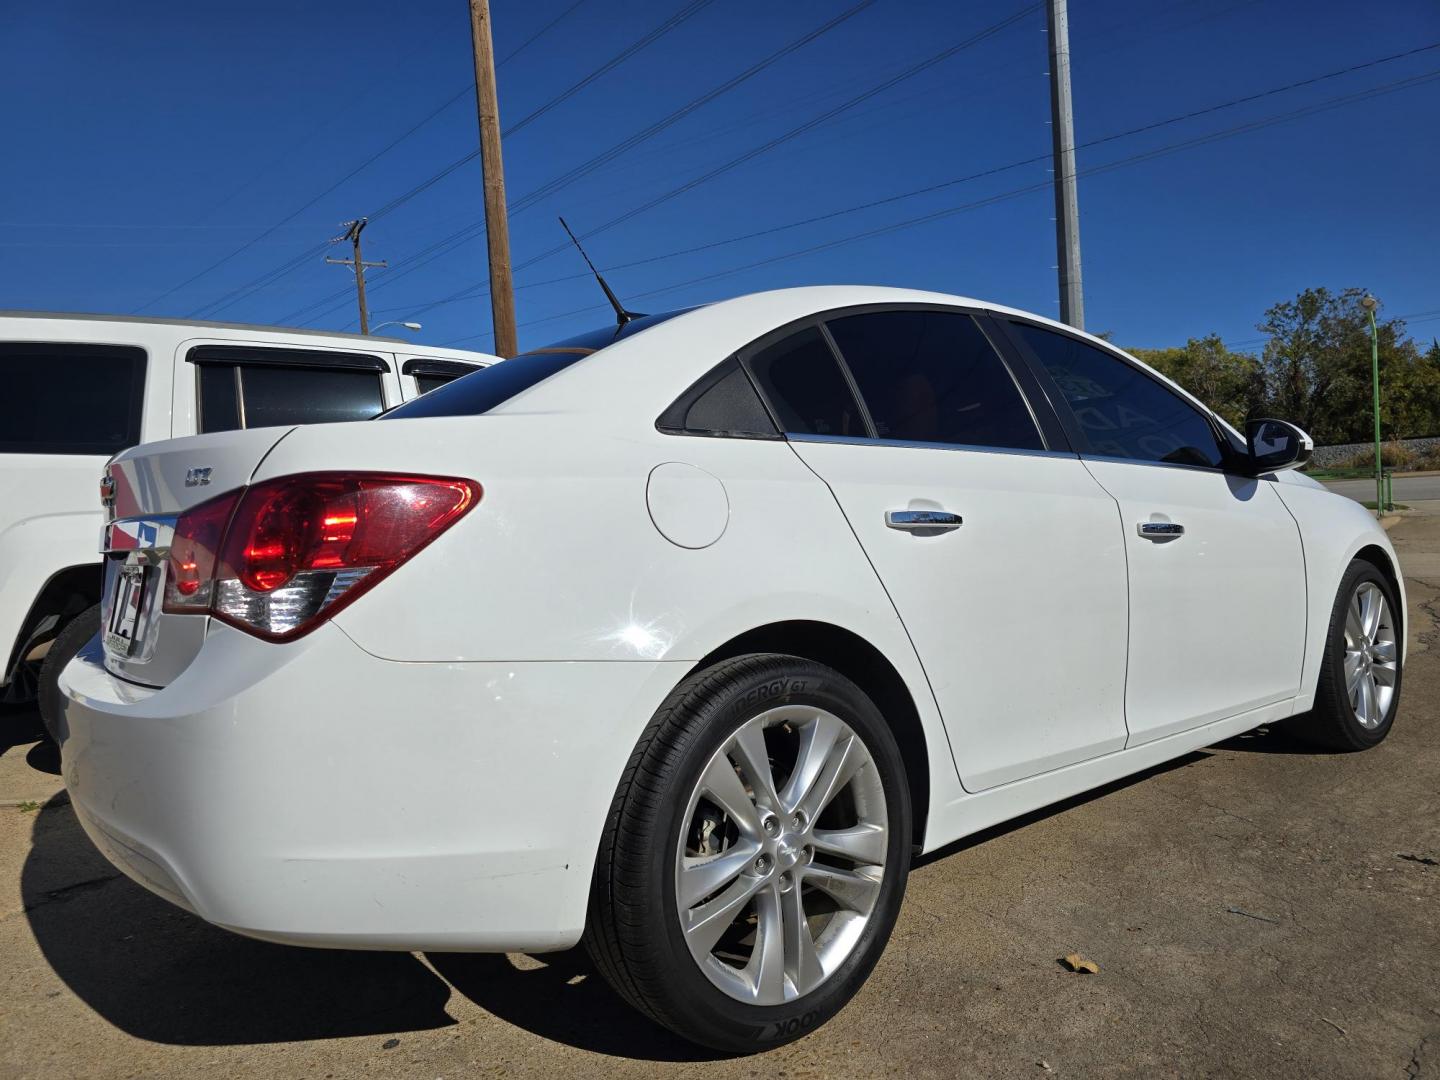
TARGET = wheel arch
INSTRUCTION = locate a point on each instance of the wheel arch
(65, 594)
(870, 669)
(1381, 559)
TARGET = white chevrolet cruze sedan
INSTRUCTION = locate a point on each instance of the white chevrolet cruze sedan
(681, 638)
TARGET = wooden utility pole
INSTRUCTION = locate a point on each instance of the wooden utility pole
(1062, 133)
(353, 229)
(497, 228)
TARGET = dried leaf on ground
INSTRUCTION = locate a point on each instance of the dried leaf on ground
(1076, 962)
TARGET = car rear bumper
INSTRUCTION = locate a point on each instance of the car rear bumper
(313, 794)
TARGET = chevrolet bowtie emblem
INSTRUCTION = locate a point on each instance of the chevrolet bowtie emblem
(197, 477)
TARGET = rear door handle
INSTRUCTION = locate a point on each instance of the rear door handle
(922, 520)
(1161, 530)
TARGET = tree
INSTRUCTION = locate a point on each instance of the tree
(1231, 383)
(1316, 368)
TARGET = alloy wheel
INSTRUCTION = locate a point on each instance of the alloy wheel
(782, 855)
(1371, 655)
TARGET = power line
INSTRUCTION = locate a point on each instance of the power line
(246, 290)
(450, 242)
(1134, 159)
(478, 289)
(749, 155)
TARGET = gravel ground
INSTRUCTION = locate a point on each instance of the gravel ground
(1256, 909)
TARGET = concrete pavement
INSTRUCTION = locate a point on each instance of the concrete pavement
(1257, 909)
(1406, 489)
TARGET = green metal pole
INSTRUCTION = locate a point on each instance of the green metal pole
(1375, 385)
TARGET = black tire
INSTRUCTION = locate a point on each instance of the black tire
(1333, 722)
(71, 639)
(633, 932)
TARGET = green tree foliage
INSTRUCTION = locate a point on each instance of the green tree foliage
(1229, 382)
(1315, 371)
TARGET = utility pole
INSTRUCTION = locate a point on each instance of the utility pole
(353, 229)
(1062, 134)
(497, 227)
(1369, 303)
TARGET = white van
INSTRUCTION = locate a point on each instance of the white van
(76, 389)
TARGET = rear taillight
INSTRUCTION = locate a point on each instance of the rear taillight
(278, 558)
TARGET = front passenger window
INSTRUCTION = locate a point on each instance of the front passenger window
(1122, 411)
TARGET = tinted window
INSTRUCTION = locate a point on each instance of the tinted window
(488, 387)
(219, 399)
(931, 376)
(299, 395)
(426, 383)
(482, 390)
(70, 399)
(806, 387)
(1122, 411)
(284, 394)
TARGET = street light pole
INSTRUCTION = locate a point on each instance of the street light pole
(1369, 303)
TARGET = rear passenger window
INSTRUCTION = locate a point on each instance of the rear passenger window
(1122, 411)
(70, 399)
(806, 387)
(253, 393)
(932, 376)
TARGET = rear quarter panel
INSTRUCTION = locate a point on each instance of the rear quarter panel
(560, 561)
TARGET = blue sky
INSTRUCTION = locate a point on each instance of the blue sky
(147, 143)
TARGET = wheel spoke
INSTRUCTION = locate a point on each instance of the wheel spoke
(1385, 652)
(801, 963)
(701, 877)
(1370, 605)
(705, 924)
(1384, 674)
(847, 757)
(817, 739)
(1353, 668)
(767, 962)
(1367, 700)
(851, 888)
(863, 843)
(754, 759)
(1354, 625)
(722, 784)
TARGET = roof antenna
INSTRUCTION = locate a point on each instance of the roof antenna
(622, 316)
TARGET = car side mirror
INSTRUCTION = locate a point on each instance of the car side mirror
(1274, 445)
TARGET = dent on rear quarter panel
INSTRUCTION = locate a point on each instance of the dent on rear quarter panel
(1332, 530)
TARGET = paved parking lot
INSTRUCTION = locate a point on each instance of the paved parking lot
(1256, 909)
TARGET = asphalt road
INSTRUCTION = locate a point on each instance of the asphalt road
(1256, 909)
(1406, 489)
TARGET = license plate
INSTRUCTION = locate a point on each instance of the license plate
(126, 603)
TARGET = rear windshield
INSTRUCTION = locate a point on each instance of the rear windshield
(70, 399)
(483, 390)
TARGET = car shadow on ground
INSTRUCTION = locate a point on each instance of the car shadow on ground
(1275, 740)
(560, 996)
(162, 974)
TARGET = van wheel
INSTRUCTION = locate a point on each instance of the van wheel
(71, 639)
(755, 855)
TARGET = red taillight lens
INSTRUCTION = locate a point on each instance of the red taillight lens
(300, 547)
(194, 552)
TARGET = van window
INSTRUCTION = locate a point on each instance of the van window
(251, 388)
(70, 399)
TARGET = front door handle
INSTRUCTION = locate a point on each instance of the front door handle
(1161, 530)
(922, 520)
